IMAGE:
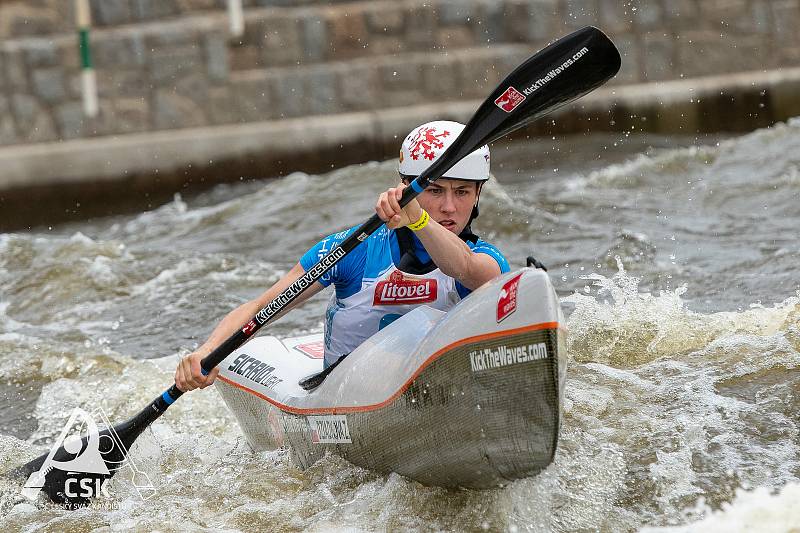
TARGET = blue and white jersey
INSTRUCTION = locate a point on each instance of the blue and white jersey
(370, 292)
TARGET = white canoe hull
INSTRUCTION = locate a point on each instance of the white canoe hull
(455, 399)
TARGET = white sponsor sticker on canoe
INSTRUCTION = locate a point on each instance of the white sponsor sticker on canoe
(329, 429)
(488, 358)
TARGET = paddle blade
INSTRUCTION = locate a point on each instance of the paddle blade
(558, 74)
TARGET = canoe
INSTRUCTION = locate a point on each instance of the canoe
(468, 398)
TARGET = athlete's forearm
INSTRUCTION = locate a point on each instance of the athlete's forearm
(232, 322)
(188, 374)
(454, 258)
(237, 318)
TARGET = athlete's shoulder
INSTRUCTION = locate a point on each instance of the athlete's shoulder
(378, 253)
(381, 234)
(340, 236)
(482, 247)
(345, 268)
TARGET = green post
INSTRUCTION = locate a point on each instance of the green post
(83, 17)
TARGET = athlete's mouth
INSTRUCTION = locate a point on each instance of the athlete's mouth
(448, 224)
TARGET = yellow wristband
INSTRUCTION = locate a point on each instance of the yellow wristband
(424, 218)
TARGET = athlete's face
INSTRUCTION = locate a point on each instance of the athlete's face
(449, 202)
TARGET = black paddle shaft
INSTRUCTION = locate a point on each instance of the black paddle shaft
(563, 71)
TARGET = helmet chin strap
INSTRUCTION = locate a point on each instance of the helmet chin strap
(475, 211)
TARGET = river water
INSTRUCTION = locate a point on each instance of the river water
(676, 260)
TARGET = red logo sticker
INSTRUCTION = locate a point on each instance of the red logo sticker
(425, 143)
(314, 350)
(249, 328)
(507, 303)
(509, 100)
(402, 290)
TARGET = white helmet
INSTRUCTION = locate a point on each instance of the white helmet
(427, 142)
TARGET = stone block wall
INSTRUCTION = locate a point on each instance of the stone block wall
(21, 18)
(166, 64)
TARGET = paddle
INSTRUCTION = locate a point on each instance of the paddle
(556, 75)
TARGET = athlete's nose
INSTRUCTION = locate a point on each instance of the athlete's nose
(448, 203)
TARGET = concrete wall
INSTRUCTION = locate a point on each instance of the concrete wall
(171, 64)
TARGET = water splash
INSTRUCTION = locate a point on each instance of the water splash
(756, 510)
(621, 326)
(645, 168)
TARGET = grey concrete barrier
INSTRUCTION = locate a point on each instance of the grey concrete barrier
(45, 183)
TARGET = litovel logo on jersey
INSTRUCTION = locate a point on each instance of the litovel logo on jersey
(402, 289)
(86, 458)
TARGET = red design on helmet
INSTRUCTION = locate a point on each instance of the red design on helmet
(425, 141)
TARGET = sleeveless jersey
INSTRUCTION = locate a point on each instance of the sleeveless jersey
(370, 292)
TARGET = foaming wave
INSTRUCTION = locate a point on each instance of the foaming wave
(770, 144)
(42, 273)
(174, 219)
(76, 291)
(756, 511)
(631, 247)
(698, 405)
(639, 170)
(660, 437)
(495, 197)
(621, 326)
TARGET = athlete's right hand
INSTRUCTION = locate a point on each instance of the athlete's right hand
(389, 210)
(188, 375)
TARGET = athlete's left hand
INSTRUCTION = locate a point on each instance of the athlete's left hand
(389, 210)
